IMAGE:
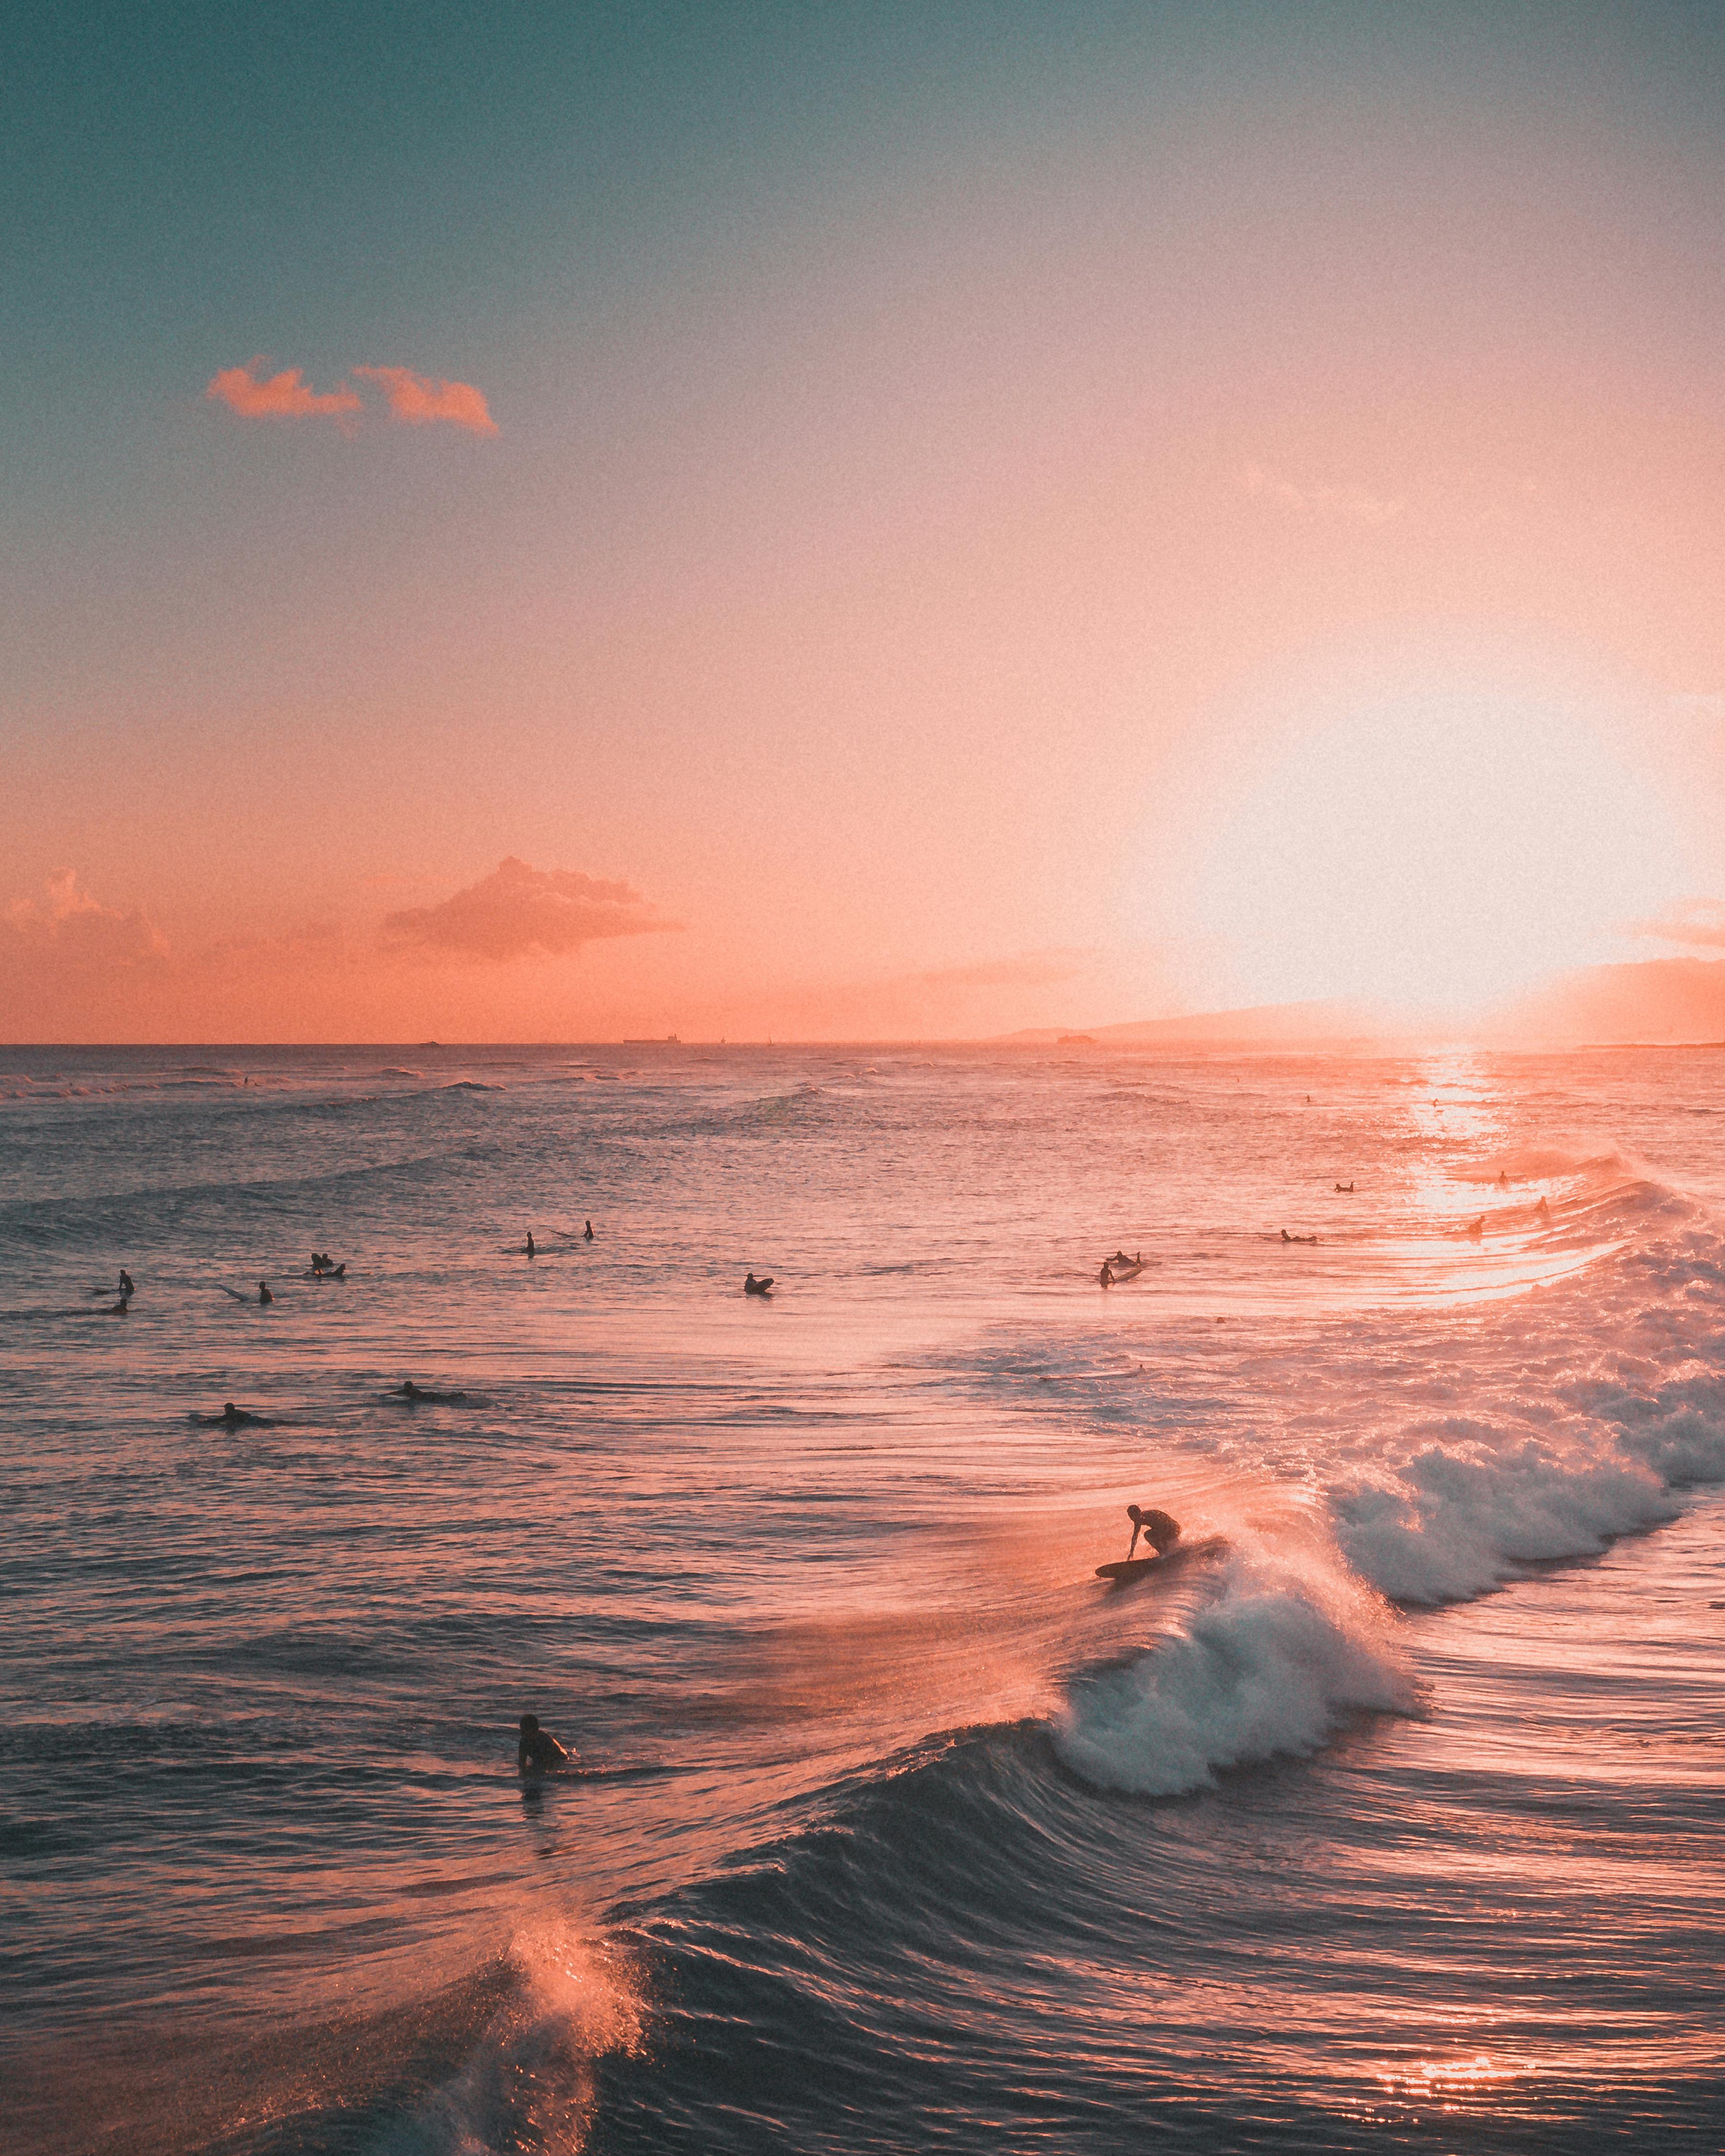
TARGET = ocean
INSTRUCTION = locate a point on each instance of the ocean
(1385, 1815)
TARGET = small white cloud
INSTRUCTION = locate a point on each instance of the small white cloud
(1343, 504)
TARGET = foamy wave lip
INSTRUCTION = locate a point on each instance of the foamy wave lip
(1273, 1665)
(529, 2083)
(1471, 1508)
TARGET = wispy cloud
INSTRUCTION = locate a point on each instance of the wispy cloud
(283, 396)
(422, 402)
(517, 910)
(1697, 922)
(1033, 969)
(1346, 505)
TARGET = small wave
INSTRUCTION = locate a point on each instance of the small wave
(1287, 1646)
(470, 1086)
(397, 1071)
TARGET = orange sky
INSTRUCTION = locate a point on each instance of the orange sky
(1129, 527)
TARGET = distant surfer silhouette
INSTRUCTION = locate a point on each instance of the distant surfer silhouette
(408, 1390)
(587, 1236)
(1105, 1278)
(1476, 1228)
(1344, 1186)
(530, 1251)
(230, 1418)
(538, 1751)
(1161, 1530)
(1543, 1210)
(751, 1285)
(264, 1294)
(1287, 1238)
(126, 1287)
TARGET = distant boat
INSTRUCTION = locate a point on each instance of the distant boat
(657, 1040)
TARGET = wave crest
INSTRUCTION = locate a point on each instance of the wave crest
(1290, 1645)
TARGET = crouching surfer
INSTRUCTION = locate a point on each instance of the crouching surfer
(1161, 1530)
(538, 1751)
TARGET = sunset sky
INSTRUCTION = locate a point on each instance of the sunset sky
(559, 522)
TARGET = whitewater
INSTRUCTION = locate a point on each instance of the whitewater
(1385, 1815)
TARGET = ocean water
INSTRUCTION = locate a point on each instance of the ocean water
(1388, 1817)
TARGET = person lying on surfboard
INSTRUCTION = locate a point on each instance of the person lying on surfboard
(1161, 1530)
(538, 1753)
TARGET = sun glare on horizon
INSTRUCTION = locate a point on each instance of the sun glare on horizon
(1436, 849)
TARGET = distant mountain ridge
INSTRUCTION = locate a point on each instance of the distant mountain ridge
(1664, 1002)
(1307, 1023)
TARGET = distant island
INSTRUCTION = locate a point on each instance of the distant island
(1655, 1002)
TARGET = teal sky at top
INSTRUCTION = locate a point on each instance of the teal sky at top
(182, 185)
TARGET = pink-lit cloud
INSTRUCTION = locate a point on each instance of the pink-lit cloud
(283, 396)
(422, 402)
(66, 927)
(1699, 922)
(518, 910)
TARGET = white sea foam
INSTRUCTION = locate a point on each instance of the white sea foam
(1287, 1646)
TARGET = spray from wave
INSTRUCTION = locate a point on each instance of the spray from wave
(528, 2083)
(1284, 1645)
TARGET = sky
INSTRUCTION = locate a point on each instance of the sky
(564, 523)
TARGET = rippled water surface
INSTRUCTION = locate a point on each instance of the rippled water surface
(1386, 1814)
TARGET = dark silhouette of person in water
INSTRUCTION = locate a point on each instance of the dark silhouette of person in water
(230, 1418)
(1543, 1210)
(1161, 1530)
(264, 1294)
(1287, 1238)
(408, 1390)
(751, 1285)
(538, 1751)
(587, 1236)
(126, 1288)
(1105, 1278)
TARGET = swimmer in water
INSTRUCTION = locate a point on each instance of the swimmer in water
(538, 1751)
(264, 1294)
(230, 1418)
(1105, 1278)
(408, 1390)
(1543, 1210)
(587, 1236)
(530, 1251)
(1159, 1529)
